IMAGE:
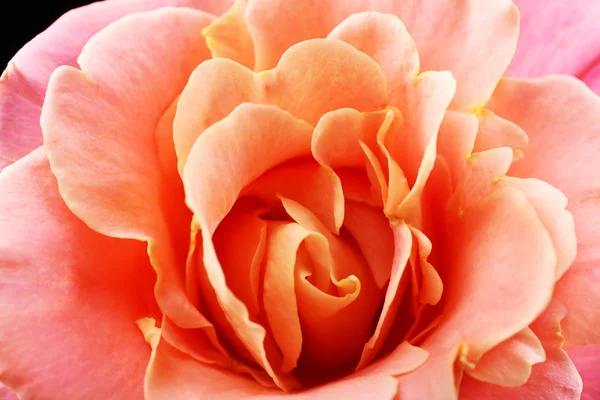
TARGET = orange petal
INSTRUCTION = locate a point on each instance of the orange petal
(213, 91)
(423, 104)
(371, 230)
(384, 38)
(560, 116)
(483, 171)
(214, 176)
(393, 295)
(321, 75)
(315, 187)
(228, 36)
(323, 329)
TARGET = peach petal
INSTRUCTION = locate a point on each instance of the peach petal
(371, 231)
(228, 36)
(214, 176)
(552, 41)
(394, 292)
(509, 363)
(556, 378)
(316, 72)
(486, 256)
(497, 132)
(550, 204)
(125, 178)
(384, 38)
(586, 359)
(176, 376)
(483, 171)
(414, 145)
(74, 302)
(357, 187)
(560, 116)
(214, 90)
(456, 139)
(442, 30)
(315, 187)
(24, 82)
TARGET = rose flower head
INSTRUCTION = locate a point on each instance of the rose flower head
(316, 199)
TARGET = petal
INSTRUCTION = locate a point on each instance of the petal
(485, 35)
(556, 378)
(592, 77)
(228, 36)
(371, 230)
(7, 394)
(214, 90)
(556, 37)
(24, 82)
(586, 360)
(173, 375)
(384, 38)
(70, 296)
(107, 123)
(214, 175)
(497, 132)
(308, 183)
(485, 255)
(561, 118)
(550, 203)
(322, 75)
(402, 246)
(509, 364)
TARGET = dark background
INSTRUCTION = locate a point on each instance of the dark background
(22, 20)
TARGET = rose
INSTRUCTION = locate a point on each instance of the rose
(453, 237)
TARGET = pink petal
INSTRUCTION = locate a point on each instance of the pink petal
(562, 119)
(592, 78)
(70, 296)
(498, 243)
(24, 82)
(123, 177)
(587, 360)
(6, 393)
(556, 37)
(556, 378)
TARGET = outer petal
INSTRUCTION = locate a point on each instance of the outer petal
(556, 378)
(562, 118)
(587, 360)
(592, 78)
(485, 256)
(24, 81)
(104, 147)
(447, 33)
(556, 37)
(69, 296)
